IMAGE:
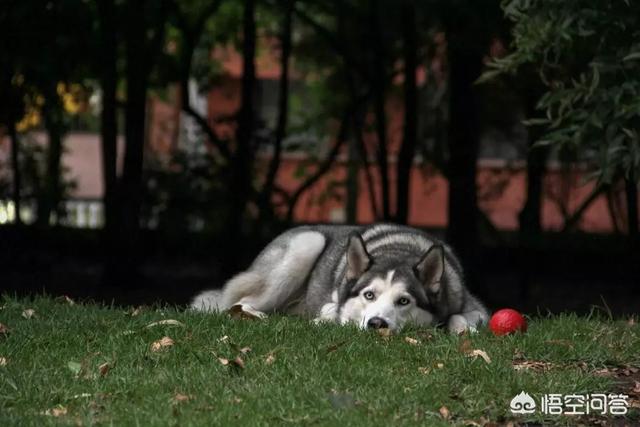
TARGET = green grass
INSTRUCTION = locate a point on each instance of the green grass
(319, 375)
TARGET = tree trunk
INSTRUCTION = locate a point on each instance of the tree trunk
(124, 269)
(352, 182)
(530, 223)
(242, 161)
(15, 165)
(379, 93)
(465, 66)
(407, 150)
(530, 215)
(108, 118)
(631, 189)
(362, 151)
(50, 201)
(135, 116)
(283, 111)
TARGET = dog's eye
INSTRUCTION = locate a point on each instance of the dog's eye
(403, 301)
(368, 295)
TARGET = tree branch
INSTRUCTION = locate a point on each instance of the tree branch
(283, 102)
(324, 167)
(575, 217)
(191, 35)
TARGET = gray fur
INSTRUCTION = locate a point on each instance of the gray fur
(304, 271)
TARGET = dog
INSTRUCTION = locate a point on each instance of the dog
(377, 276)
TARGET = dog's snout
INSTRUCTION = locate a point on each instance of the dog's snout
(377, 323)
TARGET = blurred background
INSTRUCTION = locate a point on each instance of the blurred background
(149, 149)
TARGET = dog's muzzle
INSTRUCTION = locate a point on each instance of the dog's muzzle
(377, 323)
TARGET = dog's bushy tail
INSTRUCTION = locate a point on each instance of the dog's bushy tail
(208, 301)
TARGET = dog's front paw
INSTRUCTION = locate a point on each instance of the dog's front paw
(458, 324)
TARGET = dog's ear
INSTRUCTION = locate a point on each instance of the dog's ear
(358, 259)
(430, 269)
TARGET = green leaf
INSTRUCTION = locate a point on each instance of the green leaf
(543, 143)
(535, 122)
(488, 76)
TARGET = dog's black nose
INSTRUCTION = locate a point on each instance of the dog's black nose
(377, 323)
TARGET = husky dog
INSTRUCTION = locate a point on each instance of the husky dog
(379, 276)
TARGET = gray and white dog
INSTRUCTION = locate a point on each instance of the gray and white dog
(379, 276)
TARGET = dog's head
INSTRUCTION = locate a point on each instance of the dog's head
(389, 292)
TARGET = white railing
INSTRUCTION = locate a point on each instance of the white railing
(79, 213)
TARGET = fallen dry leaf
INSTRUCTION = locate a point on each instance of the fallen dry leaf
(238, 362)
(423, 370)
(245, 350)
(179, 397)
(58, 411)
(636, 387)
(444, 412)
(471, 423)
(136, 311)
(3, 361)
(169, 322)
(162, 343)
(236, 312)
(465, 346)
(424, 336)
(224, 338)
(604, 372)
(334, 347)
(384, 332)
(481, 353)
(65, 299)
(28, 313)
(104, 369)
(270, 359)
(411, 341)
(582, 366)
(534, 365)
(440, 365)
(4, 330)
(81, 395)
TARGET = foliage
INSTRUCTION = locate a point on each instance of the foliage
(588, 55)
(183, 193)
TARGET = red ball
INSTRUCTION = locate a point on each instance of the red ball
(507, 321)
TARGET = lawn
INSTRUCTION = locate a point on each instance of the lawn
(70, 363)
